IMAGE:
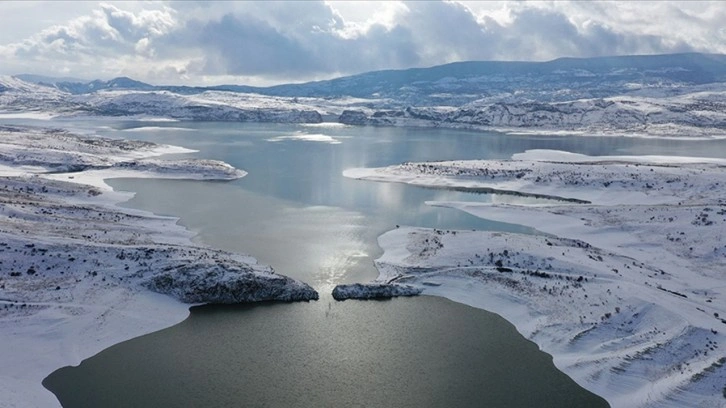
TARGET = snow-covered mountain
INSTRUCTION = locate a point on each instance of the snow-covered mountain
(17, 95)
(48, 80)
(461, 82)
(558, 80)
(680, 94)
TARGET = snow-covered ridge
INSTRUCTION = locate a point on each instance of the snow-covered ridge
(457, 83)
(208, 106)
(675, 101)
(701, 114)
(626, 293)
(20, 97)
(17, 96)
(79, 274)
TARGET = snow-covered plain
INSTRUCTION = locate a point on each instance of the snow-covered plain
(626, 292)
(79, 274)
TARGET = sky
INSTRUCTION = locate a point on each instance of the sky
(265, 43)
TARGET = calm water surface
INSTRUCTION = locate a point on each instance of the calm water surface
(420, 352)
(296, 212)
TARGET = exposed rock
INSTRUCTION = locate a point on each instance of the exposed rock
(373, 291)
(227, 282)
(353, 117)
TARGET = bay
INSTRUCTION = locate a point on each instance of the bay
(297, 213)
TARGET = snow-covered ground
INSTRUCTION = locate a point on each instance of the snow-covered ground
(626, 292)
(79, 274)
(671, 110)
(20, 99)
(693, 112)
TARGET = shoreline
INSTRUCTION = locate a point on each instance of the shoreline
(612, 292)
(80, 273)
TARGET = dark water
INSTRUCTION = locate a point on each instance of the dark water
(296, 212)
(420, 352)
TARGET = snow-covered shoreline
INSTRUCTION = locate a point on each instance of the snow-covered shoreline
(681, 110)
(79, 273)
(626, 293)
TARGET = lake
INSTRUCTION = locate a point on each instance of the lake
(297, 213)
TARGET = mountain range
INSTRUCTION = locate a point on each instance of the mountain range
(476, 77)
(642, 93)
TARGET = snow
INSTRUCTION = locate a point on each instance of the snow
(604, 180)
(626, 292)
(157, 128)
(674, 110)
(306, 137)
(27, 115)
(691, 113)
(569, 157)
(326, 125)
(79, 274)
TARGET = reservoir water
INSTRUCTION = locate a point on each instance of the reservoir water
(297, 213)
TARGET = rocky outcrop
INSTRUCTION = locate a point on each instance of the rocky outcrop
(373, 291)
(353, 117)
(227, 282)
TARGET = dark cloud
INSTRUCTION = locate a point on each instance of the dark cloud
(445, 31)
(247, 45)
(309, 39)
(547, 34)
(302, 40)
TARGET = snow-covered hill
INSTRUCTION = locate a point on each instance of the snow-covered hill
(680, 95)
(462, 82)
(697, 113)
(206, 107)
(625, 290)
(20, 97)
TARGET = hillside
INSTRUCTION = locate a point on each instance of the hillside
(680, 95)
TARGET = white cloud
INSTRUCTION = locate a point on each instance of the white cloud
(263, 42)
(359, 16)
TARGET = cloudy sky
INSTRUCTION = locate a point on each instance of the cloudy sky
(263, 43)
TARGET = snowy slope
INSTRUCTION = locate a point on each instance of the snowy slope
(17, 96)
(672, 96)
(691, 114)
(79, 274)
(211, 107)
(625, 291)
